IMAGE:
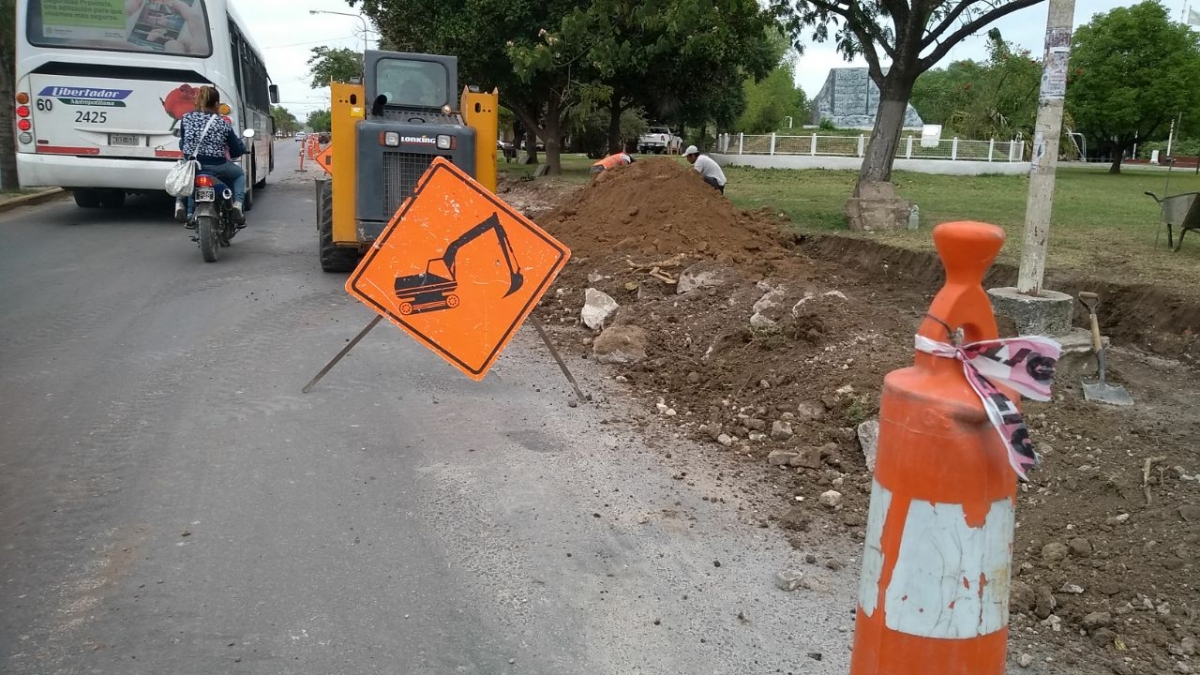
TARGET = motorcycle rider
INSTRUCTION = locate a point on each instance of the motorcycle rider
(214, 151)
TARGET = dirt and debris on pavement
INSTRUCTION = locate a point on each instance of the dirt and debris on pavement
(771, 349)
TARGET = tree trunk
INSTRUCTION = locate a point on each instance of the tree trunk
(1118, 157)
(889, 121)
(552, 135)
(531, 156)
(614, 124)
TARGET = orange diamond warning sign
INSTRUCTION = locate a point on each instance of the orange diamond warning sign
(458, 269)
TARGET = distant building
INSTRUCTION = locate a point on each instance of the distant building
(850, 99)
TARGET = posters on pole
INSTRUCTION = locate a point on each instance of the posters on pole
(1054, 72)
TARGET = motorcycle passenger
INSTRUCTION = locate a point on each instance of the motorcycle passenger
(214, 151)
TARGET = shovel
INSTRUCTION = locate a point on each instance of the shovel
(1100, 391)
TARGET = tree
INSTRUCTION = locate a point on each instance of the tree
(285, 121)
(1132, 71)
(8, 150)
(334, 65)
(484, 34)
(914, 35)
(320, 120)
(659, 55)
(770, 100)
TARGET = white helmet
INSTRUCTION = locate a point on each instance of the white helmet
(691, 150)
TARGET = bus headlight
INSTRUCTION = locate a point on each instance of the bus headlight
(443, 142)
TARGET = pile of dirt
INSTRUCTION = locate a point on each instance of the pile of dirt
(773, 369)
(659, 206)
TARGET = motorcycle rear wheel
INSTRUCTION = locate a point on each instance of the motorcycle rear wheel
(206, 232)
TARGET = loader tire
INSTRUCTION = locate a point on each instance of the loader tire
(335, 259)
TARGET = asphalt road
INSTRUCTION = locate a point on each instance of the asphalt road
(171, 503)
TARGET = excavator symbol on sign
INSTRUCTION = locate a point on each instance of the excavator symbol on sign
(434, 289)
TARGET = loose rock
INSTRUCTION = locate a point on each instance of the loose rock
(789, 580)
(808, 458)
(868, 440)
(620, 344)
(1080, 547)
(831, 499)
(725, 440)
(598, 306)
(1096, 620)
(780, 457)
(704, 275)
(810, 412)
(781, 430)
(1054, 552)
(1025, 660)
(1021, 597)
(1044, 602)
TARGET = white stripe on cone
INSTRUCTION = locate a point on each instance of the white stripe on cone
(951, 580)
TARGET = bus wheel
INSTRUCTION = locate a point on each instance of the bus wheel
(112, 199)
(87, 198)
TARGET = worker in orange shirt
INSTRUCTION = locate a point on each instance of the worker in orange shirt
(611, 162)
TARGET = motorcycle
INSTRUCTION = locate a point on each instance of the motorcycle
(213, 213)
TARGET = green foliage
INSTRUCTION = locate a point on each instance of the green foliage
(320, 120)
(589, 129)
(1132, 71)
(914, 35)
(771, 99)
(827, 125)
(285, 121)
(995, 99)
(334, 65)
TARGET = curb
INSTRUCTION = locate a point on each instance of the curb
(30, 200)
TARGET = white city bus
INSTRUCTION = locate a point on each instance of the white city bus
(102, 84)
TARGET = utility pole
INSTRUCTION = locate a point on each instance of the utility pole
(1047, 131)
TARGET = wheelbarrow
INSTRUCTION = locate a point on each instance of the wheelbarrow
(1182, 210)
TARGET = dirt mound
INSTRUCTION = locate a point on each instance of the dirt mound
(659, 206)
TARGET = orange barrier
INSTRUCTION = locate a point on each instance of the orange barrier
(933, 596)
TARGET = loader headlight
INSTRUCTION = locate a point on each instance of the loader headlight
(390, 138)
(443, 142)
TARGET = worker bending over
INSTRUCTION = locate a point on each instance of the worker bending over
(708, 168)
(612, 161)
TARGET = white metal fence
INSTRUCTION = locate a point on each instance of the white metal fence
(910, 147)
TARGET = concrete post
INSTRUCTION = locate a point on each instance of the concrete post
(908, 149)
(813, 150)
(991, 148)
(741, 141)
(954, 149)
(1045, 147)
(772, 142)
(860, 145)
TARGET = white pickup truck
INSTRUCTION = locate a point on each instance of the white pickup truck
(659, 140)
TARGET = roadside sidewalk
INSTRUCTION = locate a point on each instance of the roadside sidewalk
(12, 201)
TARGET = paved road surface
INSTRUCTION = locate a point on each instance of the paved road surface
(171, 503)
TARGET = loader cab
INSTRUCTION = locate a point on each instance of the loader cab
(411, 120)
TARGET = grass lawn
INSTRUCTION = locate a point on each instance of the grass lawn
(1102, 226)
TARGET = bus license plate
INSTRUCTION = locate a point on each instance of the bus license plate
(205, 194)
(124, 139)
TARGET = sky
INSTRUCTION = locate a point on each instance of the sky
(286, 33)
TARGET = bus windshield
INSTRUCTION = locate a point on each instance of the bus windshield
(156, 26)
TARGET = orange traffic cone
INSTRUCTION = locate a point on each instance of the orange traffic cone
(933, 597)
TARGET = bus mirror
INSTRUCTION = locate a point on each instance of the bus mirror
(274, 89)
(249, 133)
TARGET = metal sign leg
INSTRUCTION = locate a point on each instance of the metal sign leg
(345, 350)
(554, 352)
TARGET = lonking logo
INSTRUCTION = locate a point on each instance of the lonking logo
(419, 140)
(105, 98)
